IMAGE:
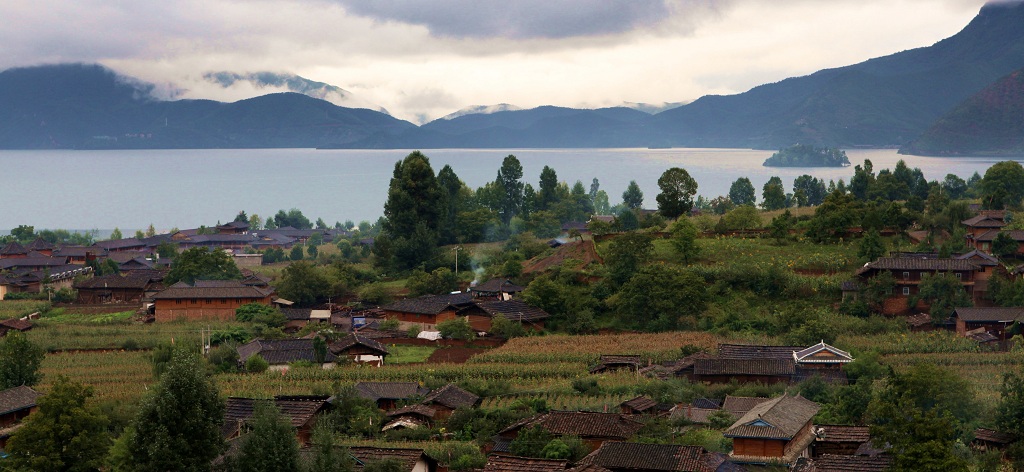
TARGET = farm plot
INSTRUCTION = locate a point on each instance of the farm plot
(120, 376)
(656, 347)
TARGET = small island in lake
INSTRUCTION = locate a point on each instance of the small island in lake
(802, 155)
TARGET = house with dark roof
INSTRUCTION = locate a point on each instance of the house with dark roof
(300, 411)
(15, 405)
(234, 227)
(995, 320)
(481, 312)
(80, 255)
(120, 288)
(778, 431)
(411, 460)
(983, 222)
(991, 440)
(14, 324)
(639, 405)
(281, 352)
(839, 440)
(739, 406)
(449, 398)
(641, 457)
(121, 245)
(767, 371)
(839, 463)
(207, 299)
(13, 250)
(410, 417)
(496, 289)
(360, 349)
(387, 394)
(908, 272)
(592, 428)
(614, 362)
(503, 463)
(41, 246)
(428, 310)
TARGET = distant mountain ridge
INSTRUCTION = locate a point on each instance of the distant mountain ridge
(990, 123)
(886, 101)
(82, 106)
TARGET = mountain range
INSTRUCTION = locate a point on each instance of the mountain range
(882, 102)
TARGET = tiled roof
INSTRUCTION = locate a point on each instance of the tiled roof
(837, 433)
(993, 436)
(711, 403)
(40, 244)
(296, 313)
(353, 340)
(207, 289)
(500, 463)
(298, 409)
(610, 361)
(919, 319)
(407, 457)
(430, 304)
(693, 414)
(390, 390)
(452, 396)
(838, 463)
(79, 251)
(17, 398)
(780, 367)
(13, 248)
(18, 324)
(614, 455)
(979, 258)
(805, 356)
(1016, 235)
(989, 314)
(739, 406)
(914, 263)
(281, 351)
(120, 243)
(778, 418)
(134, 279)
(17, 262)
(421, 410)
(640, 403)
(985, 221)
(746, 351)
(584, 424)
(498, 285)
(514, 310)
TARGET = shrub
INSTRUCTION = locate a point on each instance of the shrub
(457, 328)
(256, 364)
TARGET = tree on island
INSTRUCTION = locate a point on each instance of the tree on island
(803, 155)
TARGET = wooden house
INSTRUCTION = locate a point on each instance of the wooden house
(281, 352)
(841, 463)
(41, 246)
(991, 440)
(122, 245)
(503, 463)
(618, 456)
(639, 405)
(300, 411)
(13, 250)
(360, 349)
(80, 255)
(234, 227)
(991, 319)
(616, 362)
(449, 398)
(767, 371)
(984, 222)
(117, 288)
(739, 406)
(841, 440)
(387, 395)
(820, 357)
(592, 428)
(496, 289)
(482, 312)
(908, 272)
(428, 310)
(410, 417)
(15, 404)
(778, 431)
(14, 324)
(207, 299)
(411, 460)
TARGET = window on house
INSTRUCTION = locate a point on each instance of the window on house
(959, 276)
(906, 290)
(906, 276)
(194, 301)
(177, 302)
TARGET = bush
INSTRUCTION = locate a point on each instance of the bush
(457, 328)
(224, 357)
(256, 364)
(376, 294)
(586, 386)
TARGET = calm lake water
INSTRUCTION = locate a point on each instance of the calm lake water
(187, 188)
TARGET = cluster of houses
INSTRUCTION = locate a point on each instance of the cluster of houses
(40, 264)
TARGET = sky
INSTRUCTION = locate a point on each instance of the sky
(421, 59)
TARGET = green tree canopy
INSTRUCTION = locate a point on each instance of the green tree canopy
(510, 180)
(871, 246)
(659, 296)
(201, 263)
(65, 434)
(19, 361)
(547, 195)
(1003, 185)
(438, 282)
(1003, 245)
(633, 197)
(684, 239)
(293, 218)
(626, 254)
(943, 292)
(741, 192)
(303, 283)
(412, 212)
(677, 191)
(177, 426)
(773, 195)
(740, 218)
(271, 445)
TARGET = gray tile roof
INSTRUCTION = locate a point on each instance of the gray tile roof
(778, 418)
(779, 367)
(281, 351)
(452, 396)
(212, 289)
(390, 390)
(748, 351)
(430, 304)
(989, 314)
(915, 263)
(614, 455)
(17, 398)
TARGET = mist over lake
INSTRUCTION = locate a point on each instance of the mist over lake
(188, 188)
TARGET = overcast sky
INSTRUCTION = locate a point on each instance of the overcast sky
(423, 59)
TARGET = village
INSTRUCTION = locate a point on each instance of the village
(505, 366)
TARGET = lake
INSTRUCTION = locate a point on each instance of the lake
(187, 188)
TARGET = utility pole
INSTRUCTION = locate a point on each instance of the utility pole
(456, 249)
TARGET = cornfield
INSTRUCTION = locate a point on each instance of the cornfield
(656, 347)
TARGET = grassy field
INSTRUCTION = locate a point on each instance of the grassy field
(18, 308)
(587, 349)
(984, 370)
(409, 354)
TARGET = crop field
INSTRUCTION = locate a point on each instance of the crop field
(112, 331)
(120, 376)
(18, 308)
(984, 370)
(656, 347)
(795, 255)
(930, 342)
